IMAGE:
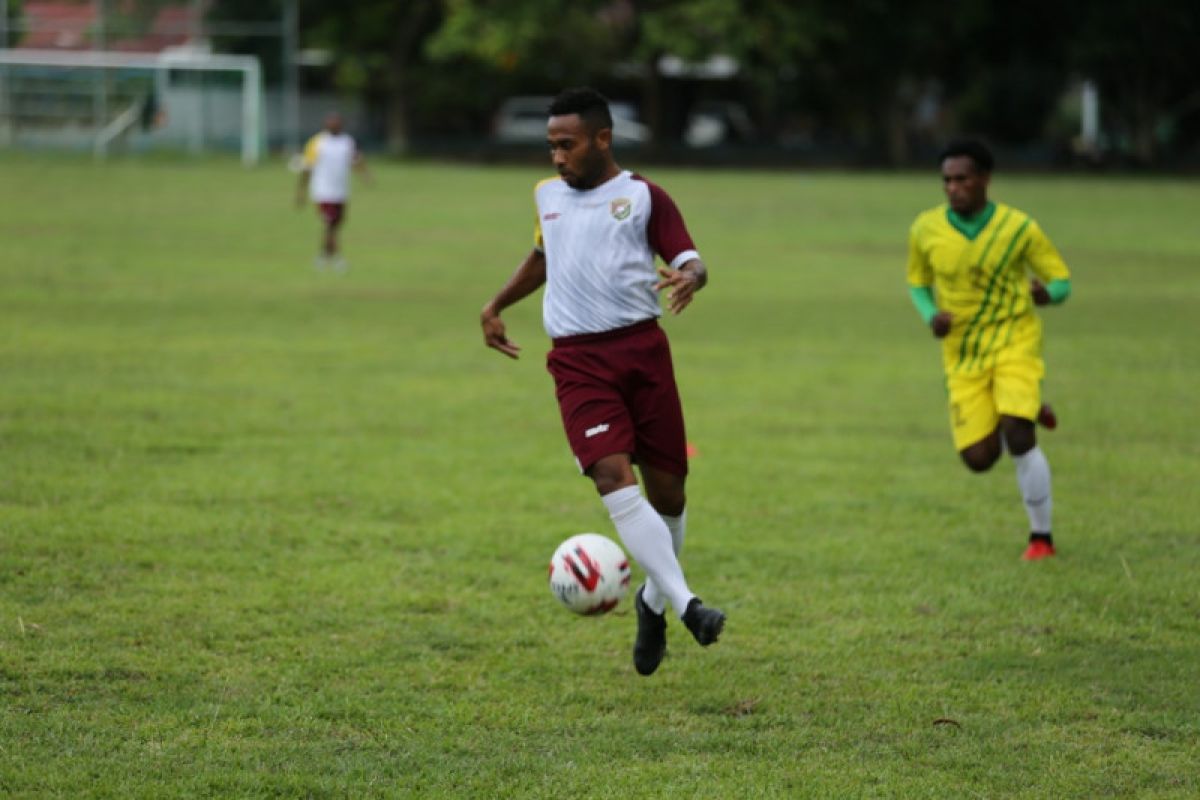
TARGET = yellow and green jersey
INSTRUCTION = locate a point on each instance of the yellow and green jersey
(978, 269)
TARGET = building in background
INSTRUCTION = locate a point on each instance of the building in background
(75, 26)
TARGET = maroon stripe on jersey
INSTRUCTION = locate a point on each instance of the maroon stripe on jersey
(666, 232)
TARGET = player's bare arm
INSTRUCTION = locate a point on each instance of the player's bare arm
(302, 188)
(682, 284)
(360, 167)
(528, 278)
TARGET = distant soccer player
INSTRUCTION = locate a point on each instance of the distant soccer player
(329, 157)
(597, 232)
(968, 261)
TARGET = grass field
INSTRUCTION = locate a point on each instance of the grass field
(269, 532)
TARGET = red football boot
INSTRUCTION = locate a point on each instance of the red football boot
(1037, 550)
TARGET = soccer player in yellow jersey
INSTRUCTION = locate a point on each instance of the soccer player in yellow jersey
(969, 266)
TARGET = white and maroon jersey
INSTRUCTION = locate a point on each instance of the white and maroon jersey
(600, 246)
(329, 158)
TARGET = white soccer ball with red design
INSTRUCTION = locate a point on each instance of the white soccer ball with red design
(589, 573)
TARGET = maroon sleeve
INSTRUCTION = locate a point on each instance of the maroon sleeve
(666, 232)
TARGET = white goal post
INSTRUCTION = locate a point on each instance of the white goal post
(252, 123)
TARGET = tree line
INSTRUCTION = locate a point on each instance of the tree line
(871, 79)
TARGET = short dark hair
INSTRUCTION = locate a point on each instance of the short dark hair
(973, 149)
(590, 105)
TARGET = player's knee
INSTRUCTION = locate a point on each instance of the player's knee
(670, 504)
(1020, 436)
(607, 483)
(665, 490)
(980, 457)
(611, 474)
(979, 464)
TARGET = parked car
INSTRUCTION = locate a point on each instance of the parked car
(715, 123)
(522, 120)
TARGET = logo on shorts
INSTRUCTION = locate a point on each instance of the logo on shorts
(553, 215)
(620, 208)
(596, 431)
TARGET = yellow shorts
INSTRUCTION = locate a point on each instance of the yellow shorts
(1009, 384)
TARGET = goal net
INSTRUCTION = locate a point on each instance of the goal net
(106, 102)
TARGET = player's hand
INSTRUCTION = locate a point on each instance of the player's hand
(494, 335)
(682, 284)
(1041, 295)
(940, 324)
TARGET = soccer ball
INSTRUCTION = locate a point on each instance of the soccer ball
(589, 573)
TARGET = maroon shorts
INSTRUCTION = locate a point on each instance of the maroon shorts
(332, 213)
(616, 391)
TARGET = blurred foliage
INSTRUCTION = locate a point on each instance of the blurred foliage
(1143, 56)
(514, 37)
(13, 19)
(126, 18)
(878, 79)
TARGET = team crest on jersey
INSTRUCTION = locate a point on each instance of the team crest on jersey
(620, 208)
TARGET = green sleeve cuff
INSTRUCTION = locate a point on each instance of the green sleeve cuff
(922, 298)
(1059, 290)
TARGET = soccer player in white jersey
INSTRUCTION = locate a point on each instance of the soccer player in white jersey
(597, 233)
(329, 157)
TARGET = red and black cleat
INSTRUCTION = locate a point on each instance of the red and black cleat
(1037, 550)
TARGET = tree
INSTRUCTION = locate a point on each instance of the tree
(764, 37)
(376, 44)
(555, 43)
(1143, 58)
(1009, 69)
(521, 47)
(381, 42)
(115, 20)
(859, 67)
(564, 41)
(12, 21)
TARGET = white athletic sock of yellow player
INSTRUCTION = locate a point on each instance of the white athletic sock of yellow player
(652, 597)
(1033, 477)
(649, 541)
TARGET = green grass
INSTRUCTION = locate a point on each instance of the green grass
(269, 532)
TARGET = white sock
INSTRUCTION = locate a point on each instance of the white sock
(1033, 477)
(649, 542)
(652, 596)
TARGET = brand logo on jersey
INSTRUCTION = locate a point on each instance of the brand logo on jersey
(552, 215)
(596, 431)
(620, 208)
